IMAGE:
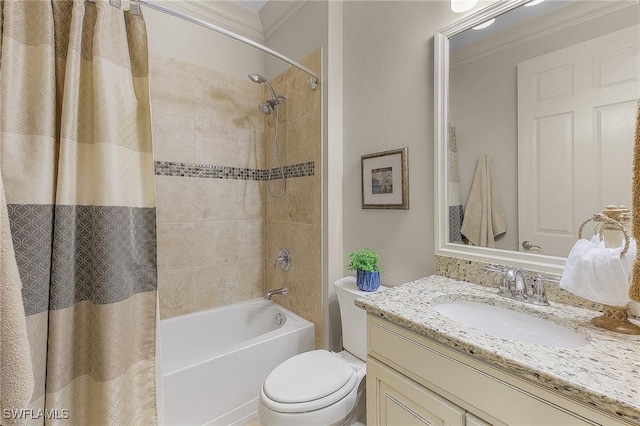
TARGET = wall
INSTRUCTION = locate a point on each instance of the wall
(208, 144)
(303, 32)
(210, 231)
(388, 103)
(190, 43)
(483, 108)
(293, 221)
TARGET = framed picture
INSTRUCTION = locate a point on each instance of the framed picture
(385, 180)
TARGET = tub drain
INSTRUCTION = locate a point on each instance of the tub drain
(279, 319)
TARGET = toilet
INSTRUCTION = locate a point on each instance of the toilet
(320, 387)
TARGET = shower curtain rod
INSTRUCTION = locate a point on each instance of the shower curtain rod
(202, 23)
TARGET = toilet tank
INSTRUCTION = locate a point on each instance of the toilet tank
(354, 319)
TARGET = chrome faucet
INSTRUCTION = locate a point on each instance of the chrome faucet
(282, 290)
(513, 285)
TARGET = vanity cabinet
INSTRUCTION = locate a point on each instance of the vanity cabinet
(413, 380)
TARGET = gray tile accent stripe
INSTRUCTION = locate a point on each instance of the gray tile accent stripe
(69, 254)
(170, 168)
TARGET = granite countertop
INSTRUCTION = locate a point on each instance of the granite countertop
(603, 374)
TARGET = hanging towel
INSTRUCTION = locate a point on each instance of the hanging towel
(456, 212)
(483, 215)
(16, 372)
(596, 273)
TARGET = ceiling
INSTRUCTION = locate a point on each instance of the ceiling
(253, 4)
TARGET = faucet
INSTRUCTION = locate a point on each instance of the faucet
(513, 285)
(269, 294)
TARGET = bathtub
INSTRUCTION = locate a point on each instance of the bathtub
(214, 362)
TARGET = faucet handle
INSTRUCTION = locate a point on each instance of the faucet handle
(284, 259)
(539, 296)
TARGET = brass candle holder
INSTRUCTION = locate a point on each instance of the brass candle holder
(614, 318)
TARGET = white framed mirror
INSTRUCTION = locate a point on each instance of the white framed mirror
(549, 92)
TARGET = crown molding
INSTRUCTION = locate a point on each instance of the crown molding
(557, 20)
(225, 13)
(275, 13)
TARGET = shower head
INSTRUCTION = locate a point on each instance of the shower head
(265, 108)
(257, 78)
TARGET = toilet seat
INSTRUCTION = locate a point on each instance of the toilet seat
(309, 381)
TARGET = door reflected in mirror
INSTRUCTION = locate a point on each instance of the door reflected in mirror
(549, 92)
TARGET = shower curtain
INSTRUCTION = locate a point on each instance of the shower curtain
(77, 167)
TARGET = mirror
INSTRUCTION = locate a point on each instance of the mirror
(548, 91)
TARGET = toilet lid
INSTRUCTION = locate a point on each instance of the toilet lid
(307, 377)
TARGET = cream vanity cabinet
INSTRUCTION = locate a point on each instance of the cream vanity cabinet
(413, 380)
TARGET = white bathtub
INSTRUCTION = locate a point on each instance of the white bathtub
(213, 362)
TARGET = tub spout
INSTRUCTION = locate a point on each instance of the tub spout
(269, 294)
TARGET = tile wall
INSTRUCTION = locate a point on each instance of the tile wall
(219, 231)
(294, 220)
(208, 138)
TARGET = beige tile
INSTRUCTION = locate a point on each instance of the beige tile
(277, 208)
(175, 246)
(251, 146)
(216, 142)
(277, 238)
(172, 90)
(176, 292)
(216, 286)
(175, 199)
(304, 139)
(251, 203)
(301, 99)
(306, 274)
(173, 138)
(314, 62)
(302, 193)
(216, 199)
(216, 242)
(251, 239)
(282, 146)
(251, 279)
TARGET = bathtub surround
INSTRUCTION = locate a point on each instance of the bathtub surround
(211, 172)
(294, 220)
(77, 167)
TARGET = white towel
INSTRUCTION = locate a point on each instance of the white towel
(16, 372)
(596, 273)
(483, 216)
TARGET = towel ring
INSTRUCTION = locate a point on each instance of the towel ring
(599, 217)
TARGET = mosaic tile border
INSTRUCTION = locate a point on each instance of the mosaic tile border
(207, 171)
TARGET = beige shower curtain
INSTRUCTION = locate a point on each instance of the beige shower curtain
(77, 167)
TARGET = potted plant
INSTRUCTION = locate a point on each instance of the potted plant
(365, 263)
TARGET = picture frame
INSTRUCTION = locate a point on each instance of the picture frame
(385, 180)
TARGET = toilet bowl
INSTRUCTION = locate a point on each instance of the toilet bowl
(320, 387)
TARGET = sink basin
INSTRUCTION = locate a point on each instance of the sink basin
(511, 324)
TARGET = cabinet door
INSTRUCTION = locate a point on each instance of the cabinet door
(475, 421)
(394, 400)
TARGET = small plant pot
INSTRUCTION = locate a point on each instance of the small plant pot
(368, 281)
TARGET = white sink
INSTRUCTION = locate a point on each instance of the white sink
(511, 324)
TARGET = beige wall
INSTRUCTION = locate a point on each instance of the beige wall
(293, 221)
(210, 231)
(483, 108)
(304, 32)
(190, 43)
(388, 103)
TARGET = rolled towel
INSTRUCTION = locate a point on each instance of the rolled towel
(596, 273)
